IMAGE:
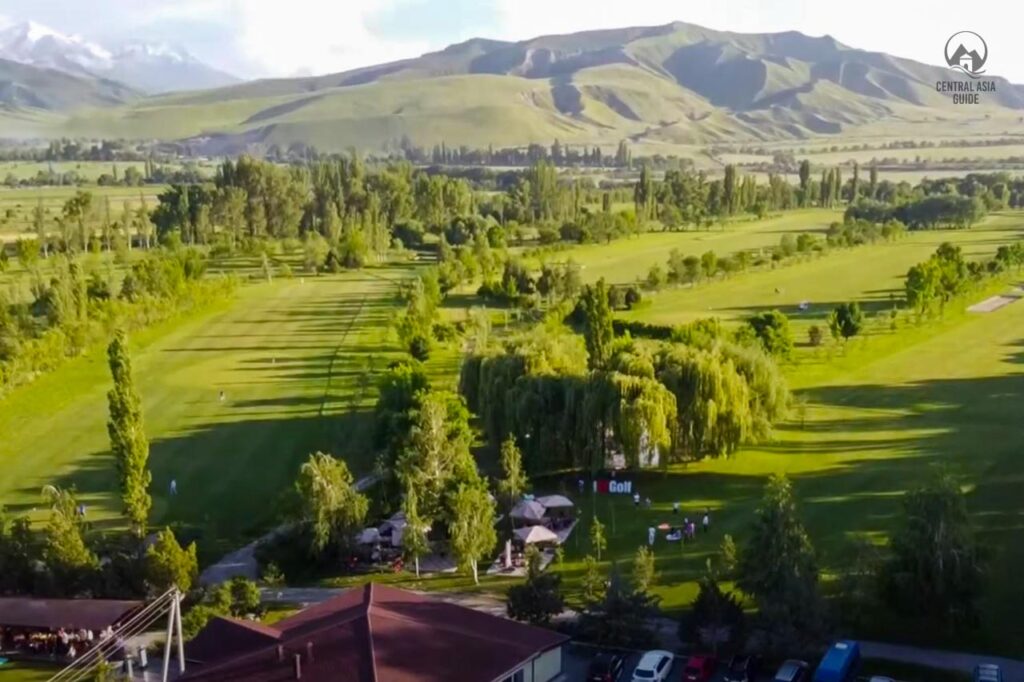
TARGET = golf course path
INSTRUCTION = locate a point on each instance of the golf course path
(242, 562)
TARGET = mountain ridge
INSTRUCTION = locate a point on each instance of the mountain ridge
(664, 85)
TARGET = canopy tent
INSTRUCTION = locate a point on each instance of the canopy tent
(528, 510)
(70, 614)
(532, 535)
(369, 536)
(555, 502)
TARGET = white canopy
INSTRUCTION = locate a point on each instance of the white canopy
(369, 536)
(555, 502)
(532, 535)
(528, 510)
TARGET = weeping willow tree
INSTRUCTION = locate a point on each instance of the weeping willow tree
(645, 419)
(713, 401)
(769, 393)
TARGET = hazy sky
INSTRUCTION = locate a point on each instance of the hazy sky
(285, 37)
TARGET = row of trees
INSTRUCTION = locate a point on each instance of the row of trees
(72, 309)
(947, 274)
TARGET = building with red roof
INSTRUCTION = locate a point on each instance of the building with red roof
(377, 634)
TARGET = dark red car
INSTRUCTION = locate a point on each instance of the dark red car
(699, 669)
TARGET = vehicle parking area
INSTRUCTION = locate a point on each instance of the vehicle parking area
(577, 659)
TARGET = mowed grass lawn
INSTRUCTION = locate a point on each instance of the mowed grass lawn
(297, 361)
(879, 420)
(872, 275)
(626, 260)
(948, 400)
(23, 672)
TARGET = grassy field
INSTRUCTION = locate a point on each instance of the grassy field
(24, 672)
(296, 360)
(627, 260)
(876, 424)
(17, 205)
(872, 275)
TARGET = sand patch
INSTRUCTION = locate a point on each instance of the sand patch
(994, 303)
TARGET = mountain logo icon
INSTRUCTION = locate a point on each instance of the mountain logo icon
(967, 51)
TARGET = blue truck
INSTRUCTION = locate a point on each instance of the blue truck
(839, 663)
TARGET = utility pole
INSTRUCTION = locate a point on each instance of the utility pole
(173, 628)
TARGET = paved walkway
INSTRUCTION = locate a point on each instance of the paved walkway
(1013, 670)
(242, 562)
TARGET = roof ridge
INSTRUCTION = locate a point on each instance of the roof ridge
(254, 626)
(369, 636)
(386, 612)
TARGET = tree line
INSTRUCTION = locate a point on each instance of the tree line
(71, 307)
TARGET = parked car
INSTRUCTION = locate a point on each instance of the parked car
(879, 678)
(988, 672)
(742, 669)
(793, 671)
(840, 662)
(699, 669)
(654, 666)
(606, 667)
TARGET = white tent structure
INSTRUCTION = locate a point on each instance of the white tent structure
(369, 536)
(555, 502)
(532, 535)
(529, 511)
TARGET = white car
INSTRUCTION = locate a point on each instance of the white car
(654, 666)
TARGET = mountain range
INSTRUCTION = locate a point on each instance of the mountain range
(146, 67)
(660, 87)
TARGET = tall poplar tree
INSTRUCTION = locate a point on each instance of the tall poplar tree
(128, 441)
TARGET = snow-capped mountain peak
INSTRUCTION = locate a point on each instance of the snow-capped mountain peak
(147, 66)
(38, 45)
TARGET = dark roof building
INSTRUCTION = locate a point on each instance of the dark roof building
(53, 614)
(377, 634)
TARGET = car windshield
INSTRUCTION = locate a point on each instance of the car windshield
(643, 673)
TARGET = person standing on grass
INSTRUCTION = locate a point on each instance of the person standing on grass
(636, 500)
(174, 486)
(675, 508)
(650, 535)
(706, 521)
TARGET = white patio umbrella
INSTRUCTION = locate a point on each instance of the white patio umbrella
(528, 510)
(555, 502)
(532, 535)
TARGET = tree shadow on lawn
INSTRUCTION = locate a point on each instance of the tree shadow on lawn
(230, 476)
(912, 431)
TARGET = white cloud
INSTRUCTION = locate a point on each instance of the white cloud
(285, 37)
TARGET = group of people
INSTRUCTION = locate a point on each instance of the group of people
(62, 644)
(687, 532)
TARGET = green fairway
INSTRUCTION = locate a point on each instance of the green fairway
(872, 275)
(627, 260)
(296, 361)
(946, 398)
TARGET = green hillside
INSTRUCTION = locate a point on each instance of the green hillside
(666, 85)
(27, 88)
